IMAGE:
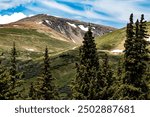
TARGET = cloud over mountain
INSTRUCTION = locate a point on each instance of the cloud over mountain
(11, 18)
(107, 12)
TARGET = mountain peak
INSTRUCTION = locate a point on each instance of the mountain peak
(71, 30)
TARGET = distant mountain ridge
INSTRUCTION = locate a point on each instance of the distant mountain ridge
(33, 34)
(69, 30)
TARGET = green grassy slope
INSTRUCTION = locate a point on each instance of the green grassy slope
(30, 40)
(62, 67)
(111, 40)
(114, 39)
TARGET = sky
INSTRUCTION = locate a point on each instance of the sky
(113, 13)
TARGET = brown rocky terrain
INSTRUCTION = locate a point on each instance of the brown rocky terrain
(60, 28)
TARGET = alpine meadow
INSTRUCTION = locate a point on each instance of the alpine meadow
(45, 57)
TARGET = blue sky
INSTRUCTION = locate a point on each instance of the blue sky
(106, 12)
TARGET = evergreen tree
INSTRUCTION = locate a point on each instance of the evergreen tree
(13, 68)
(129, 52)
(47, 89)
(88, 83)
(143, 44)
(143, 56)
(135, 58)
(14, 78)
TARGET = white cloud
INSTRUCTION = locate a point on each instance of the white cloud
(88, 13)
(59, 6)
(116, 10)
(120, 10)
(6, 4)
(11, 18)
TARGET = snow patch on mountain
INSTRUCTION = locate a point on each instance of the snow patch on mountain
(48, 22)
(83, 28)
(73, 25)
(40, 22)
(94, 28)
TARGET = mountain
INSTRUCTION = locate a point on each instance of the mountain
(36, 32)
(72, 30)
(32, 34)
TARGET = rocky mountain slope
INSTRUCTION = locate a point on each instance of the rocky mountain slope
(60, 28)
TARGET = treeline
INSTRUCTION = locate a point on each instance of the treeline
(94, 80)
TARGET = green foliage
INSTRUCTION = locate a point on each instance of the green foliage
(135, 60)
(14, 78)
(32, 92)
(11, 79)
(88, 83)
(128, 92)
(108, 76)
(106, 71)
(119, 69)
(46, 89)
(3, 83)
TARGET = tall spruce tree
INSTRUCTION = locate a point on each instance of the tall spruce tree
(88, 83)
(143, 50)
(143, 56)
(129, 52)
(47, 89)
(135, 58)
(15, 80)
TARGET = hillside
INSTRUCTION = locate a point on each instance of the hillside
(33, 34)
(31, 40)
(62, 68)
(115, 40)
(71, 30)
